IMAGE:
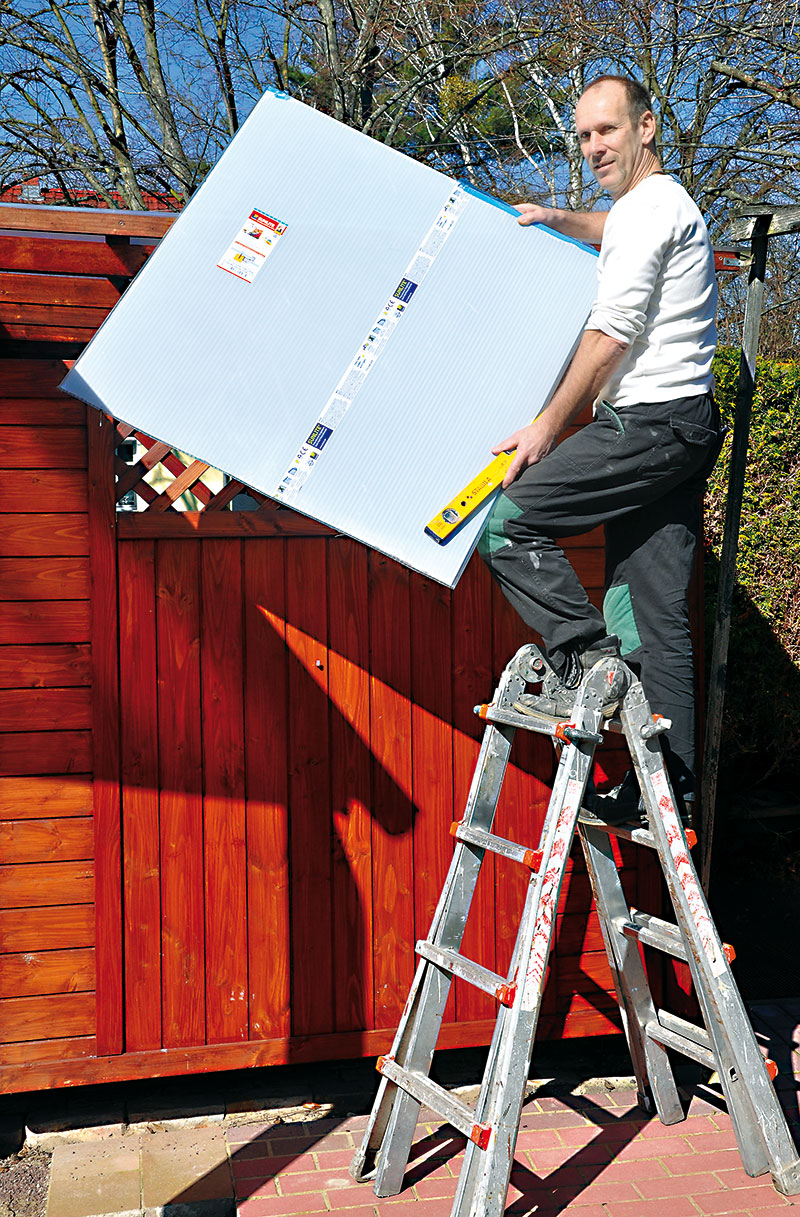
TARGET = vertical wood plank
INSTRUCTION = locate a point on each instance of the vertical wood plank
(140, 796)
(474, 680)
(309, 788)
(431, 750)
(105, 731)
(351, 791)
(266, 727)
(224, 807)
(393, 817)
(181, 785)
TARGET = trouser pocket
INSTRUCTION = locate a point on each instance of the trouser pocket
(685, 446)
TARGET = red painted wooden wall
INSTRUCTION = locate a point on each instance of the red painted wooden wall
(231, 747)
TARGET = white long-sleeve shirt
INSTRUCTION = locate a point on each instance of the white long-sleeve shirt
(657, 291)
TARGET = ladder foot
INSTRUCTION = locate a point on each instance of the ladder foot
(362, 1168)
(787, 1181)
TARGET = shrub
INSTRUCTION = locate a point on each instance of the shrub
(761, 728)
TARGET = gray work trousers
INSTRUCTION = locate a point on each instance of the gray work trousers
(640, 472)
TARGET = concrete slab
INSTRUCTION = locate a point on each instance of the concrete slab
(93, 1178)
(185, 1167)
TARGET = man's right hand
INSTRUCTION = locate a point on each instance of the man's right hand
(530, 445)
(532, 213)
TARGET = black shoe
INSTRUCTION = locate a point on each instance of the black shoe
(622, 805)
(625, 805)
(558, 693)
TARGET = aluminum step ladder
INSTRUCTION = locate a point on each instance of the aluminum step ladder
(726, 1043)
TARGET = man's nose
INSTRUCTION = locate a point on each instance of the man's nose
(596, 143)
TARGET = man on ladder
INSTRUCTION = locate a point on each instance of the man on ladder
(639, 467)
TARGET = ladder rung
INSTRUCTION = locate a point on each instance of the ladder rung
(467, 969)
(685, 1037)
(542, 723)
(561, 729)
(653, 932)
(437, 1098)
(497, 845)
(639, 836)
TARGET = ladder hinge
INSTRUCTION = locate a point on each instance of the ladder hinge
(568, 733)
(772, 1068)
(505, 994)
(533, 859)
(481, 1134)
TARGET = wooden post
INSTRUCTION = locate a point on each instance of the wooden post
(730, 539)
(105, 695)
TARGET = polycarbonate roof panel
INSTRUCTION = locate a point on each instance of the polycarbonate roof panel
(343, 329)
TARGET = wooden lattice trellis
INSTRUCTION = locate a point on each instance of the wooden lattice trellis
(184, 477)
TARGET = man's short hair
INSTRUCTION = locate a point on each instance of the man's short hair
(639, 100)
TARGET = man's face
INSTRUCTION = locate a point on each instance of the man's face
(614, 148)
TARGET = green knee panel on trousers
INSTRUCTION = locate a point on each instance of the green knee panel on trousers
(493, 536)
(620, 617)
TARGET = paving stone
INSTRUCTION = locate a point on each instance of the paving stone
(553, 1119)
(260, 1168)
(607, 1191)
(256, 1187)
(94, 1178)
(281, 1206)
(665, 1148)
(735, 1176)
(314, 1181)
(679, 1185)
(678, 1206)
(743, 1198)
(332, 1159)
(696, 1164)
(198, 1208)
(638, 1168)
(185, 1166)
(350, 1197)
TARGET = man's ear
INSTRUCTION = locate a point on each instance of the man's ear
(648, 127)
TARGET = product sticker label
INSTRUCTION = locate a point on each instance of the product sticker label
(405, 290)
(252, 245)
(370, 350)
(319, 436)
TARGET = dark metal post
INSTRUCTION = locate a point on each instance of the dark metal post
(730, 541)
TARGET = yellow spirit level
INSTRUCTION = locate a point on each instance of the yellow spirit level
(462, 506)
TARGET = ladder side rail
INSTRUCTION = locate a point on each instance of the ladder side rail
(395, 1112)
(651, 1063)
(483, 1181)
(761, 1131)
(705, 955)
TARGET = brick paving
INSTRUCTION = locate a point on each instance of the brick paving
(590, 1154)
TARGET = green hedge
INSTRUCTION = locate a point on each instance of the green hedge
(761, 731)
